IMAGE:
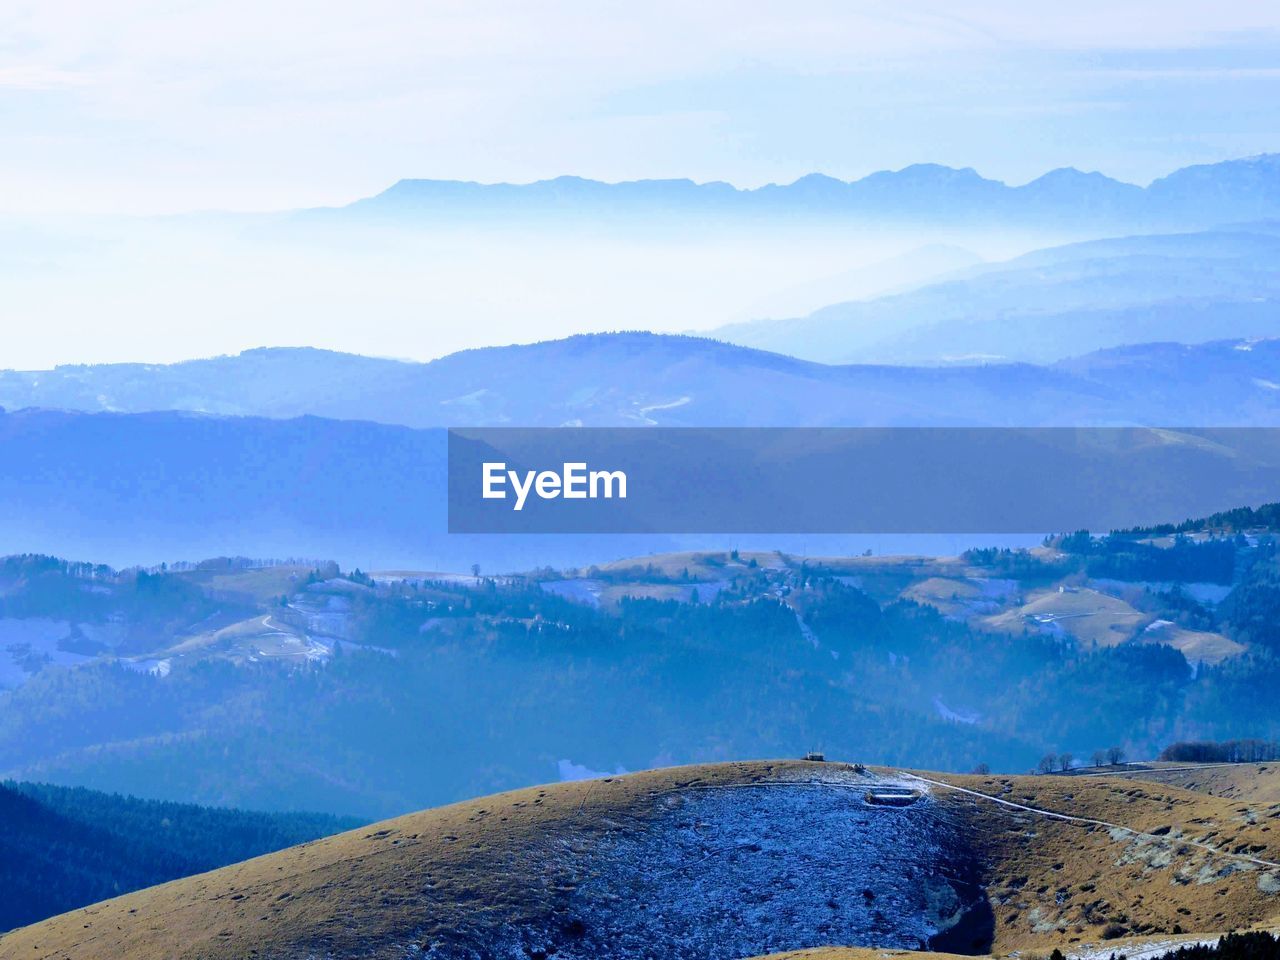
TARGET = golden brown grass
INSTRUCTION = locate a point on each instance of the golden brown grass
(950, 597)
(255, 586)
(378, 885)
(1091, 617)
(1181, 864)
(860, 953)
(377, 891)
(1254, 783)
(1196, 645)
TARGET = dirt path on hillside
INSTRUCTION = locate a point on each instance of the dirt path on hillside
(1089, 821)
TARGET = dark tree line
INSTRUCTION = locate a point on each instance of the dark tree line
(64, 847)
(1224, 751)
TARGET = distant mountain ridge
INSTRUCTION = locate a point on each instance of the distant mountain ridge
(1200, 195)
(311, 473)
(1051, 304)
(644, 379)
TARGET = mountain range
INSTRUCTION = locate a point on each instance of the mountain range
(1201, 195)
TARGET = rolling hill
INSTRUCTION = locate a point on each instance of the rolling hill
(1253, 783)
(738, 859)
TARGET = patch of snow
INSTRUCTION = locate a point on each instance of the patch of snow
(954, 716)
(467, 399)
(33, 640)
(324, 623)
(40, 632)
(156, 668)
(1142, 951)
(582, 590)
(643, 412)
(337, 585)
(464, 579)
(806, 631)
(568, 770)
(718, 873)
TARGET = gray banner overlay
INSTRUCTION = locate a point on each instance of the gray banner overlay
(851, 480)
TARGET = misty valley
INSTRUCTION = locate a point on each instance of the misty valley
(288, 685)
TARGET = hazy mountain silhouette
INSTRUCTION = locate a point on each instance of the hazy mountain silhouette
(145, 486)
(1053, 303)
(639, 379)
(1194, 196)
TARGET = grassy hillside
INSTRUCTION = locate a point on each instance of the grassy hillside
(62, 848)
(721, 861)
(1253, 783)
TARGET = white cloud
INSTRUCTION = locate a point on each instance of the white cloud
(18, 77)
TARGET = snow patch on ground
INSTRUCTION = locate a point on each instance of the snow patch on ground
(156, 668)
(954, 716)
(806, 631)
(723, 872)
(568, 770)
(27, 644)
(737, 871)
(1145, 951)
(579, 591)
(643, 412)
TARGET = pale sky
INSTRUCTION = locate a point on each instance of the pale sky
(155, 105)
